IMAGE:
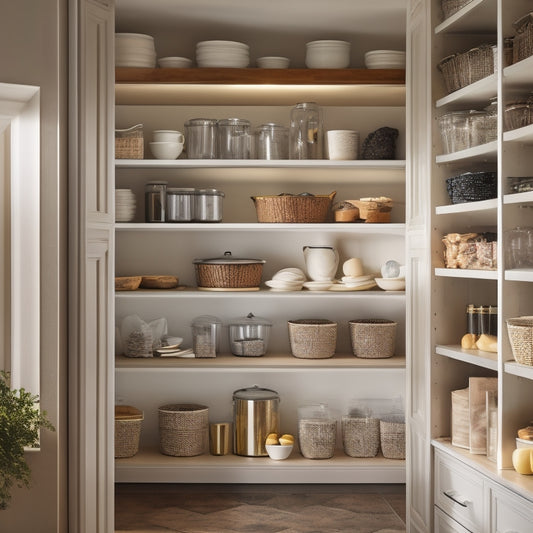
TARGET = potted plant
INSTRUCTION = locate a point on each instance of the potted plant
(20, 422)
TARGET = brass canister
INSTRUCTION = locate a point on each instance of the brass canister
(255, 415)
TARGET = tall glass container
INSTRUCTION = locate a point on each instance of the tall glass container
(234, 138)
(306, 135)
(201, 138)
(155, 199)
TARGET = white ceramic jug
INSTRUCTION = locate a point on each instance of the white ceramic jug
(321, 262)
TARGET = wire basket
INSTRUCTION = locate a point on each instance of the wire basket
(183, 429)
(373, 338)
(392, 438)
(288, 208)
(317, 437)
(449, 7)
(129, 143)
(472, 187)
(360, 436)
(312, 338)
(520, 331)
(128, 422)
(523, 40)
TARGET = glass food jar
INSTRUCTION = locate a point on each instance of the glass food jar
(155, 193)
(201, 138)
(248, 336)
(271, 141)
(306, 135)
(234, 138)
(206, 336)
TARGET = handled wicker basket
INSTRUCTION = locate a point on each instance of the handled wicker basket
(520, 332)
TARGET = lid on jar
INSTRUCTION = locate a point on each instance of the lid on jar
(255, 393)
(320, 410)
(181, 190)
(226, 259)
(249, 320)
(201, 122)
(234, 122)
(271, 126)
(206, 320)
(157, 182)
(210, 192)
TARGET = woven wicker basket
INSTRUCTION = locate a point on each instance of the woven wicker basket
(472, 187)
(128, 421)
(449, 7)
(523, 40)
(183, 429)
(520, 331)
(229, 276)
(392, 438)
(293, 208)
(317, 437)
(312, 338)
(360, 436)
(129, 143)
(373, 338)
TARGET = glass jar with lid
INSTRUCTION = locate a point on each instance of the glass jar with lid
(271, 141)
(206, 336)
(155, 193)
(306, 135)
(201, 138)
(248, 336)
(234, 138)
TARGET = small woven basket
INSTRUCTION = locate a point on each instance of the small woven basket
(128, 421)
(472, 187)
(523, 40)
(360, 436)
(317, 437)
(129, 143)
(449, 7)
(392, 438)
(228, 276)
(183, 429)
(287, 208)
(312, 338)
(373, 338)
(520, 331)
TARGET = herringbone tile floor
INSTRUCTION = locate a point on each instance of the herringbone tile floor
(260, 508)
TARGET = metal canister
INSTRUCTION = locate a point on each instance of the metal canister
(208, 205)
(255, 415)
(155, 201)
(180, 204)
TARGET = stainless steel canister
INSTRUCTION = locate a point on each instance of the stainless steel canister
(180, 204)
(208, 205)
(255, 415)
(201, 138)
(155, 201)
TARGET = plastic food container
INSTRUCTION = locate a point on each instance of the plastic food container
(248, 336)
(180, 204)
(208, 205)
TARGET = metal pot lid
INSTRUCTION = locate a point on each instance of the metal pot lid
(228, 259)
(250, 320)
(255, 393)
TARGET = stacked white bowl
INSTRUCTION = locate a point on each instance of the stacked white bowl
(124, 205)
(134, 50)
(225, 54)
(385, 59)
(167, 144)
(327, 54)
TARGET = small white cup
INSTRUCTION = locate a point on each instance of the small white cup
(343, 145)
(172, 136)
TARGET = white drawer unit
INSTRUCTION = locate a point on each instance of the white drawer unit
(509, 513)
(459, 492)
(445, 524)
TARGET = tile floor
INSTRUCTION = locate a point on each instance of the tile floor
(144, 508)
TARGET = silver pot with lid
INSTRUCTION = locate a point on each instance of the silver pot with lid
(255, 415)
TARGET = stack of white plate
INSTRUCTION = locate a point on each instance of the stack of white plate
(226, 54)
(287, 279)
(134, 50)
(385, 59)
(124, 205)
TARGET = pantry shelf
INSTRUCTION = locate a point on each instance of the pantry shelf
(465, 273)
(512, 367)
(519, 76)
(150, 466)
(522, 135)
(482, 212)
(478, 93)
(474, 357)
(519, 274)
(477, 16)
(483, 153)
(518, 198)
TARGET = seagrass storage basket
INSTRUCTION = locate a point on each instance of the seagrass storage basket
(472, 187)
(317, 437)
(392, 437)
(183, 429)
(312, 338)
(373, 338)
(128, 422)
(449, 7)
(289, 208)
(360, 436)
(520, 331)
(523, 40)
(129, 143)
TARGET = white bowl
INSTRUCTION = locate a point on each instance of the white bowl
(524, 443)
(391, 284)
(166, 150)
(283, 285)
(174, 62)
(273, 62)
(172, 136)
(222, 63)
(290, 274)
(278, 452)
(327, 54)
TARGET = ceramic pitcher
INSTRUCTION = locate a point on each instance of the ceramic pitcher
(321, 262)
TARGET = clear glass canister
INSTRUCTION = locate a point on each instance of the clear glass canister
(271, 141)
(155, 193)
(201, 138)
(206, 335)
(306, 134)
(208, 205)
(234, 138)
(248, 336)
(180, 204)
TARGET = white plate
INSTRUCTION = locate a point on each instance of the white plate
(282, 285)
(357, 279)
(318, 285)
(341, 287)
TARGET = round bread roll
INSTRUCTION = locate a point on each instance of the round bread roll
(286, 440)
(272, 438)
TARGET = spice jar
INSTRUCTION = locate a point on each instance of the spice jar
(206, 336)
(248, 336)
(155, 201)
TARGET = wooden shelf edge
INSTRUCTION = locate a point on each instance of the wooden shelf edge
(260, 76)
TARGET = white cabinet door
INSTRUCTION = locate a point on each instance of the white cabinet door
(445, 524)
(91, 267)
(509, 513)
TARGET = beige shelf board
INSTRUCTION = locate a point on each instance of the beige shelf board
(483, 153)
(507, 477)
(477, 93)
(519, 274)
(478, 16)
(474, 357)
(518, 198)
(150, 466)
(467, 274)
(524, 371)
(519, 75)
(284, 362)
(520, 135)
(483, 212)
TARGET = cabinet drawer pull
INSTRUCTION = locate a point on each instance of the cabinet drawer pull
(451, 494)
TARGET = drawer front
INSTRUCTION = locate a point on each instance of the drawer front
(445, 524)
(509, 512)
(459, 491)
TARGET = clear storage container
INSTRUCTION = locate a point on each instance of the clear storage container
(248, 336)
(201, 138)
(206, 336)
(271, 142)
(317, 431)
(234, 138)
(306, 135)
